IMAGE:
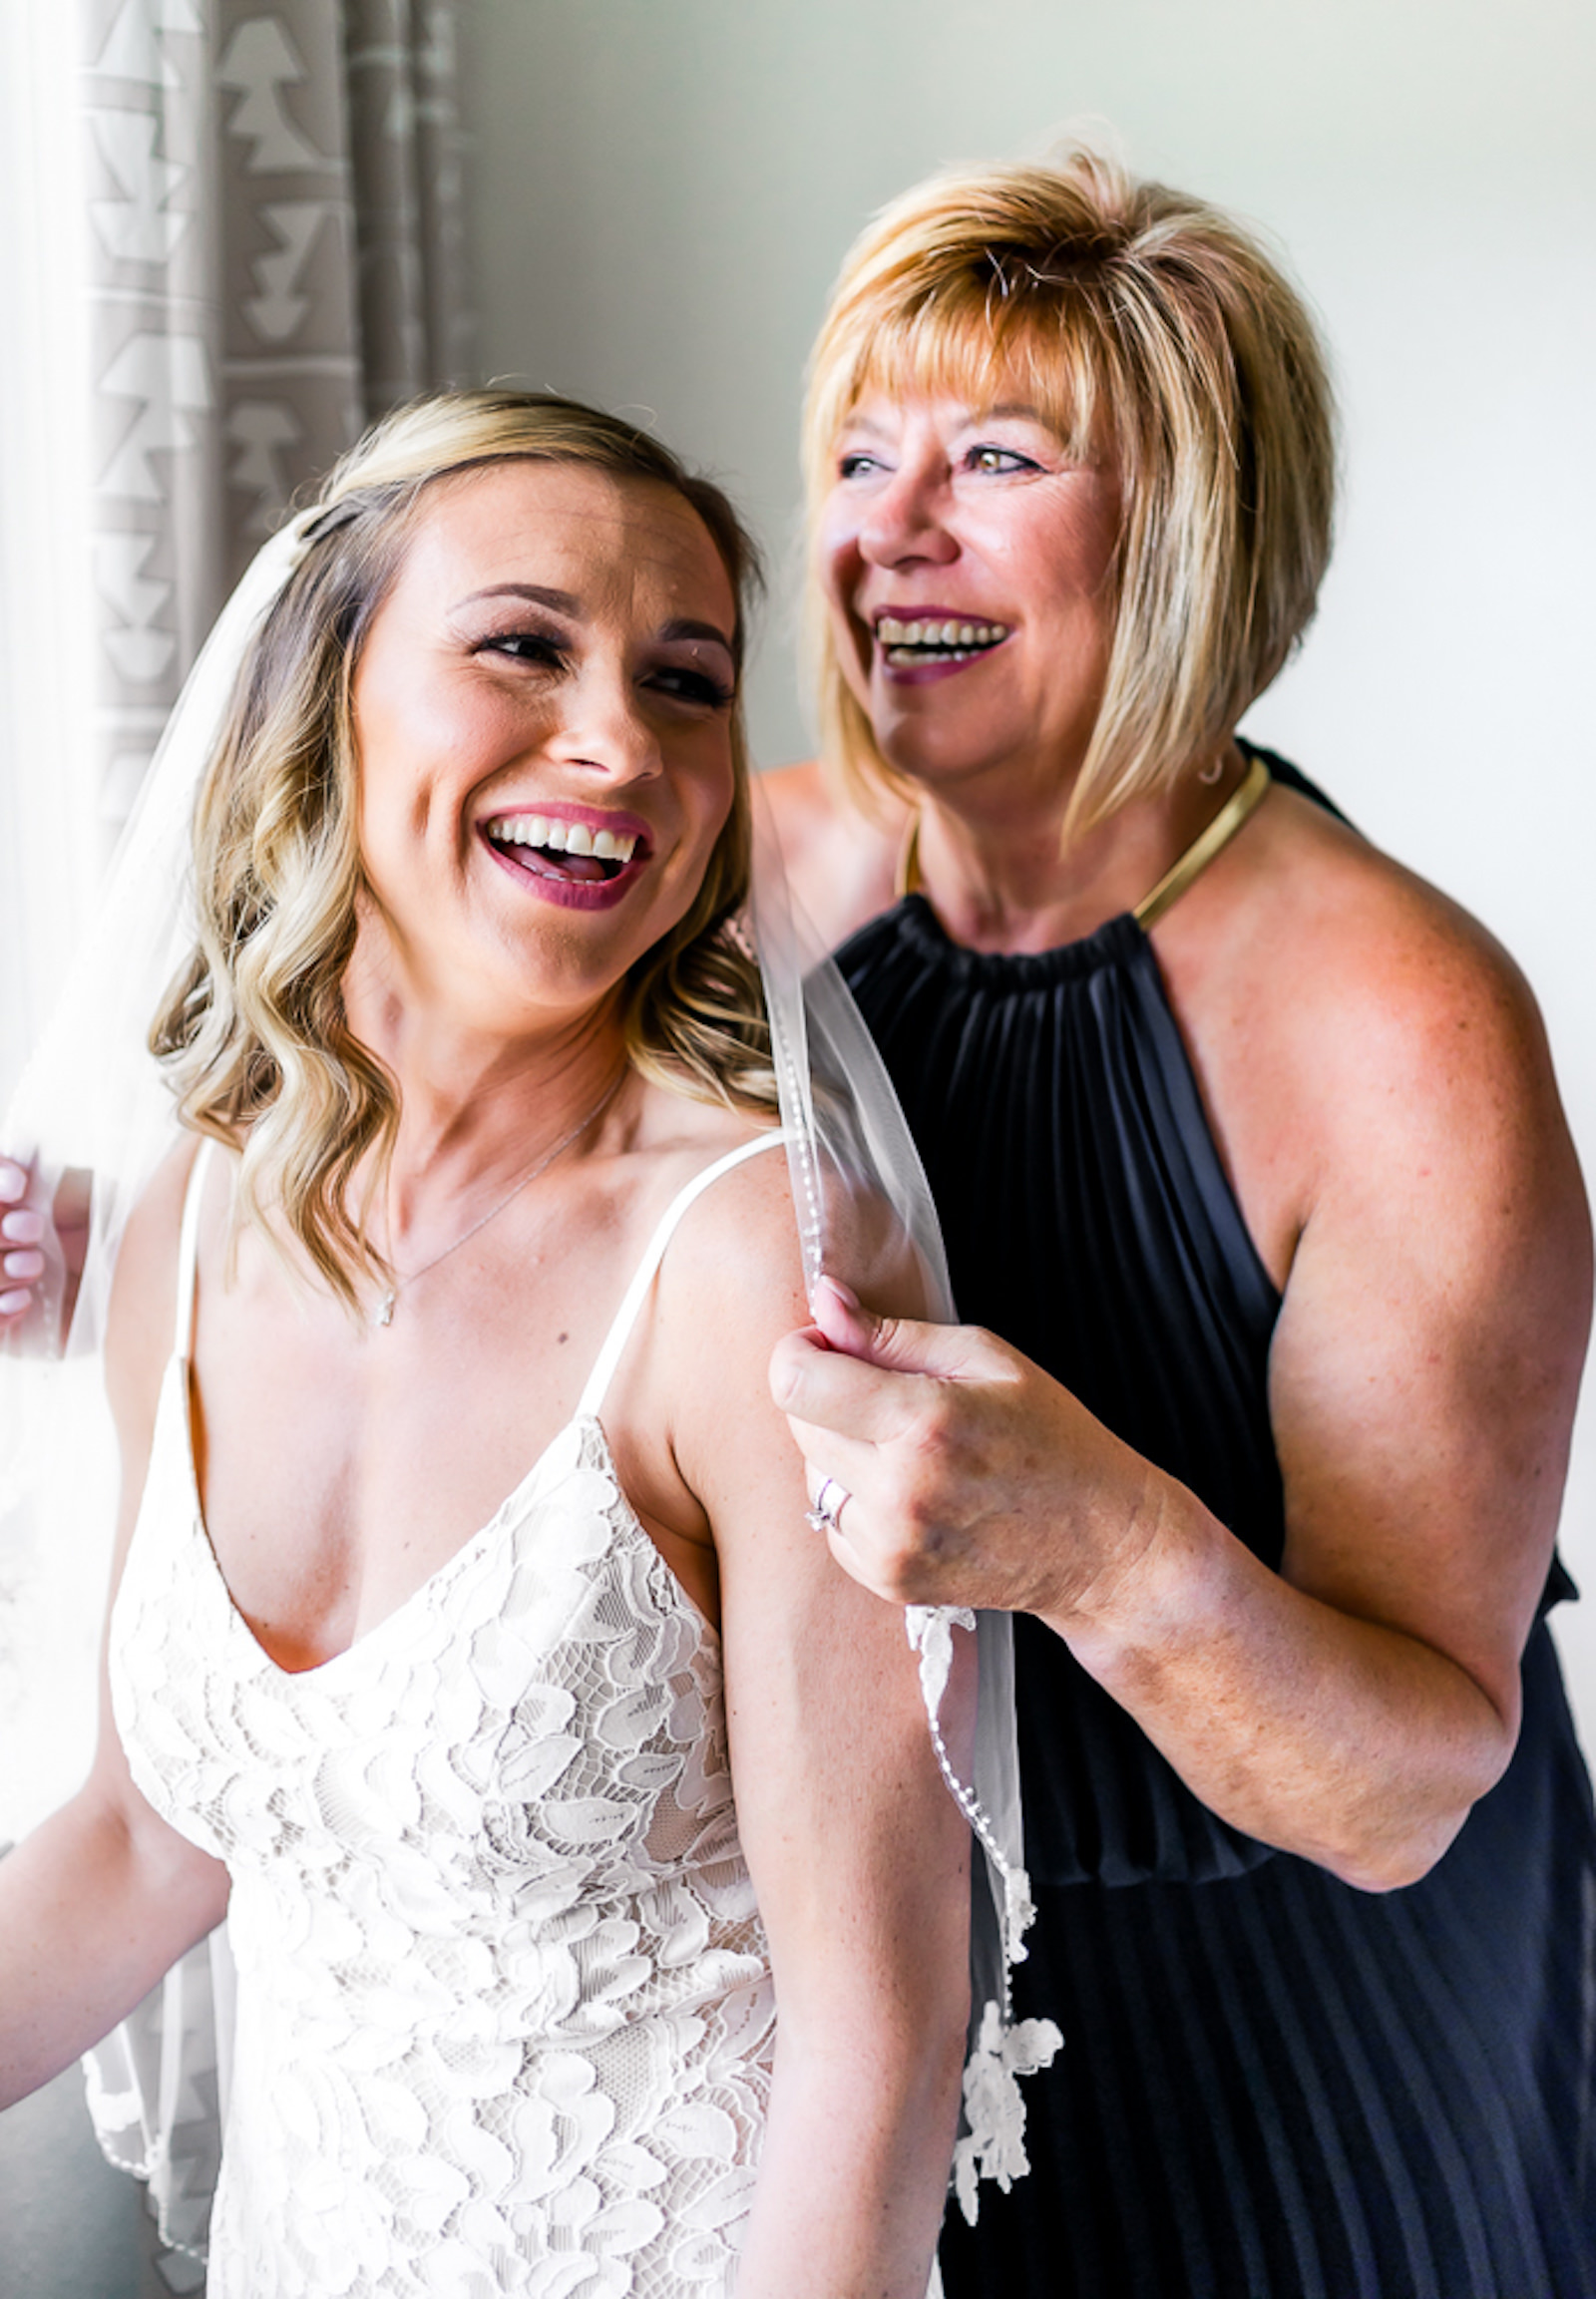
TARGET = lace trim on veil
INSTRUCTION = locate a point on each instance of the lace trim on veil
(991, 2142)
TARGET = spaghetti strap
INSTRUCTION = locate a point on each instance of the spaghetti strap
(603, 1370)
(1205, 846)
(188, 1250)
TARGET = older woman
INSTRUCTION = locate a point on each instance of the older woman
(1249, 1155)
(463, 1040)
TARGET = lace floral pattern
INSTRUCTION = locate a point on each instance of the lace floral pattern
(505, 2009)
(992, 2135)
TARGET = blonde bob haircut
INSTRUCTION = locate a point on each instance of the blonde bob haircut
(253, 1032)
(1141, 327)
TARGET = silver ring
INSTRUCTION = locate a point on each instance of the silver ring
(830, 1502)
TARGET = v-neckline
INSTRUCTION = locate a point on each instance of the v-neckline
(178, 1380)
(180, 1374)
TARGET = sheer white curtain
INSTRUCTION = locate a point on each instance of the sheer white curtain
(49, 831)
(46, 796)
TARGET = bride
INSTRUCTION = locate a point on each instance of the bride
(530, 1791)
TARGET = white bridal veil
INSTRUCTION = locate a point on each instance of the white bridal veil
(92, 1101)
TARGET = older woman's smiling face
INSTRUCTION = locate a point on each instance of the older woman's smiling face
(969, 561)
(543, 715)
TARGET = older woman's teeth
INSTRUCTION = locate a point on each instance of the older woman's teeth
(907, 643)
(563, 837)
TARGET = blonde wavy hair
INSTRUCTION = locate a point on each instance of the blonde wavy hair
(252, 1031)
(1141, 324)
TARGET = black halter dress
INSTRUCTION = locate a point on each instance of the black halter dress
(1272, 2085)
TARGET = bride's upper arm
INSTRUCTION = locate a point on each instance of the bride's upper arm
(855, 1845)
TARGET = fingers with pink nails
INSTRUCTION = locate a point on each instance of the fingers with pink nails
(22, 1232)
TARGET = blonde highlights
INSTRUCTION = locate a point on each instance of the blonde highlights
(1139, 324)
(253, 1032)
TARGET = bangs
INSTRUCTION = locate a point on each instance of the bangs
(1146, 331)
(999, 341)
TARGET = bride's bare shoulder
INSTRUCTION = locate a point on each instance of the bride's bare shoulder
(734, 1251)
(841, 862)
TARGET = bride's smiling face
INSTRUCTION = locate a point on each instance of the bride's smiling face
(543, 718)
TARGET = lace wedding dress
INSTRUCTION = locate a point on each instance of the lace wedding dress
(505, 2015)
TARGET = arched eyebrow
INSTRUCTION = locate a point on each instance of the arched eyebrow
(566, 602)
(685, 627)
(562, 602)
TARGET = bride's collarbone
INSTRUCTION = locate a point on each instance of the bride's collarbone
(340, 1468)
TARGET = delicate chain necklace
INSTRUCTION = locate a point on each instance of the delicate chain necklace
(402, 1277)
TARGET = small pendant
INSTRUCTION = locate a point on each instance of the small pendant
(385, 1307)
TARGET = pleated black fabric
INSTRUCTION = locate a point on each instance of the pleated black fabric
(1271, 2084)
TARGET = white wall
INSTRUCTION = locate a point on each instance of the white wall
(662, 189)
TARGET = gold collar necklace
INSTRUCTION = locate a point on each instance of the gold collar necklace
(1252, 788)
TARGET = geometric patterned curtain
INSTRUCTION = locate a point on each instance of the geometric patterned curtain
(275, 256)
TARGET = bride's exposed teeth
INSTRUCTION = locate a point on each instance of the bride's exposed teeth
(934, 639)
(557, 837)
